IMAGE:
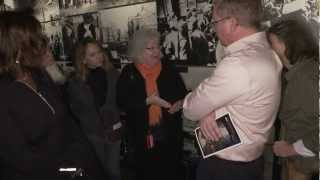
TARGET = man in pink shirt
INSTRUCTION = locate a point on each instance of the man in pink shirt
(246, 84)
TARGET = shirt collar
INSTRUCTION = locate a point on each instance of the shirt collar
(256, 39)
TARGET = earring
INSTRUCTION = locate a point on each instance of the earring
(18, 57)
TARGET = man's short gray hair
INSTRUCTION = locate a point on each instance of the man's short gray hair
(247, 12)
(138, 42)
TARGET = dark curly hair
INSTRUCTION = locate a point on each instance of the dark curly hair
(298, 39)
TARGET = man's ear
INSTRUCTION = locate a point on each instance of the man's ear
(234, 23)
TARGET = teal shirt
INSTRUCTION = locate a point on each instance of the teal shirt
(299, 111)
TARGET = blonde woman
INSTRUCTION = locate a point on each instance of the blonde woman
(91, 93)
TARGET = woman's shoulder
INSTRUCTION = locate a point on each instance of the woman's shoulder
(310, 67)
(75, 83)
(74, 77)
(11, 89)
(113, 72)
(5, 84)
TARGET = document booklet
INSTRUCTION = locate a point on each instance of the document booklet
(229, 139)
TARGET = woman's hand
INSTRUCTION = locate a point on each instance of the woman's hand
(283, 149)
(176, 107)
(154, 99)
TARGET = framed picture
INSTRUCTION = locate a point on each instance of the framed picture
(46, 10)
(187, 37)
(6, 5)
(103, 4)
(76, 28)
(290, 9)
(76, 7)
(119, 24)
(52, 29)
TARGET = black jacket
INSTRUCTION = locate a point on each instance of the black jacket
(96, 123)
(131, 98)
(34, 142)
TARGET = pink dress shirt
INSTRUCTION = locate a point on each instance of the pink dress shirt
(247, 84)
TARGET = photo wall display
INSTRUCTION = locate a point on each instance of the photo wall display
(78, 27)
(74, 7)
(53, 32)
(104, 4)
(187, 36)
(279, 9)
(119, 24)
(65, 33)
(6, 5)
(47, 10)
(111, 24)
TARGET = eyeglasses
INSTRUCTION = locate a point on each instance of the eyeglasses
(152, 48)
(217, 21)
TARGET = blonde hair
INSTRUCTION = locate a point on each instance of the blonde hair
(80, 54)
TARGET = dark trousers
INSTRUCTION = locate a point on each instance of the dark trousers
(163, 162)
(214, 168)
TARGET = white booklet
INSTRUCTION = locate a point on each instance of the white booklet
(229, 139)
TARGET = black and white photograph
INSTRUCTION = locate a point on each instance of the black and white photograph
(186, 34)
(275, 9)
(103, 4)
(52, 30)
(229, 139)
(46, 10)
(76, 7)
(119, 24)
(305, 11)
(6, 5)
(76, 28)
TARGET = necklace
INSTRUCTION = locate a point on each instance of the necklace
(39, 95)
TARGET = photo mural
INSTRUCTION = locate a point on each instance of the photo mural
(187, 37)
(119, 24)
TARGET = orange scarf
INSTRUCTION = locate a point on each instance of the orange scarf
(150, 76)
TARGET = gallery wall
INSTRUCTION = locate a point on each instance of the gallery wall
(187, 38)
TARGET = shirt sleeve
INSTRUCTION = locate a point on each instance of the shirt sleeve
(301, 149)
(228, 82)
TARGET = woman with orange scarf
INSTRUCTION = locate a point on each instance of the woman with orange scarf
(150, 92)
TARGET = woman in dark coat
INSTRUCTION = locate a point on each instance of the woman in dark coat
(299, 111)
(150, 92)
(92, 98)
(37, 135)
